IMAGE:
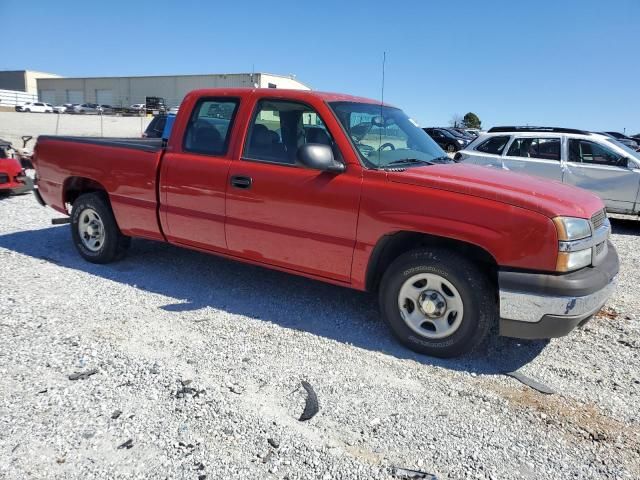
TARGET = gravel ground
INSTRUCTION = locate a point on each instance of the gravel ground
(198, 362)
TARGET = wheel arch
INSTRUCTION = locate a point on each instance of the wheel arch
(391, 246)
(75, 186)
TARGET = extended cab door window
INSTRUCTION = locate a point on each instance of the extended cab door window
(210, 126)
(280, 127)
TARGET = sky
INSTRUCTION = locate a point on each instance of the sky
(569, 63)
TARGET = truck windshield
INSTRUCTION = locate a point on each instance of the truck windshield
(384, 135)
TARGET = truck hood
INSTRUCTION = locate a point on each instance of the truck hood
(547, 197)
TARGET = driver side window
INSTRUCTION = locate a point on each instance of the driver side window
(280, 127)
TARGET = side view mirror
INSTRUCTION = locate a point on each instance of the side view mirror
(319, 157)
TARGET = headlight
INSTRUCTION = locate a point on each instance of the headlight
(461, 142)
(570, 228)
(569, 261)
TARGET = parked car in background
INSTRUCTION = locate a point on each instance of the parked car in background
(138, 108)
(59, 109)
(592, 161)
(472, 131)
(105, 109)
(459, 132)
(622, 138)
(87, 108)
(39, 107)
(11, 173)
(70, 107)
(155, 105)
(347, 191)
(155, 127)
(447, 140)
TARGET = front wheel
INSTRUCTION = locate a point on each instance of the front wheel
(94, 229)
(437, 302)
(451, 148)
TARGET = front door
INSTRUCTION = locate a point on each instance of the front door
(283, 214)
(594, 167)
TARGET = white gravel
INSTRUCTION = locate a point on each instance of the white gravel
(245, 337)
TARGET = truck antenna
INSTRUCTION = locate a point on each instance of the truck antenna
(384, 61)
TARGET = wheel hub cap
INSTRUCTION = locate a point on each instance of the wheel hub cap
(430, 305)
(91, 229)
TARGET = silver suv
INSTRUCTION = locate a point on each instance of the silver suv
(588, 160)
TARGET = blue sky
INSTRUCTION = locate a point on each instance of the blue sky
(571, 63)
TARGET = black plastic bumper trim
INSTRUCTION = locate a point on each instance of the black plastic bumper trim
(575, 284)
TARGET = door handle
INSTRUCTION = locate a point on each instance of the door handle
(241, 182)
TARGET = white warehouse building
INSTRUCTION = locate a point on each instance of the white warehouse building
(125, 91)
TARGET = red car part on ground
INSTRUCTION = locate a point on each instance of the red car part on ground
(11, 174)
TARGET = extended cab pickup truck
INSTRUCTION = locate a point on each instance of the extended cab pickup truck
(348, 191)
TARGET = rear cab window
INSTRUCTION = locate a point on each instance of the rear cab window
(210, 126)
(493, 145)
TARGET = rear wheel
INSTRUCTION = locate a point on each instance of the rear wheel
(94, 230)
(437, 302)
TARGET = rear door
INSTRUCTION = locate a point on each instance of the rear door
(282, 213)
(539, 156)
(194, 176)
(603, 171)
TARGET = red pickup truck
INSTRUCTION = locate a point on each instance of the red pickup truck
(348, 191)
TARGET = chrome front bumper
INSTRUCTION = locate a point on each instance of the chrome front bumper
(525, 307)
(538, 305)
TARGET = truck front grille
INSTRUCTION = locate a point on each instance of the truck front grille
(598, 218)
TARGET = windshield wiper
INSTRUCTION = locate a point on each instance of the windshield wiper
(446, 159)
(404, 161)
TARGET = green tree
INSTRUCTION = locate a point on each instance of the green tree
(471, 120)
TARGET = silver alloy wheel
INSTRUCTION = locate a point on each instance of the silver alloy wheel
(430, 305)
(91, 229)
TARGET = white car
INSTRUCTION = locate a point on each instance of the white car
(39, 107)
(584, 159)
(59, 109)
(138, 107)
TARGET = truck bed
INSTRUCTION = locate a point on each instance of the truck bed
(126, 168)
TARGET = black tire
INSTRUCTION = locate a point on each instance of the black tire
(476, 290)
(451, 148)
(115, 244)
